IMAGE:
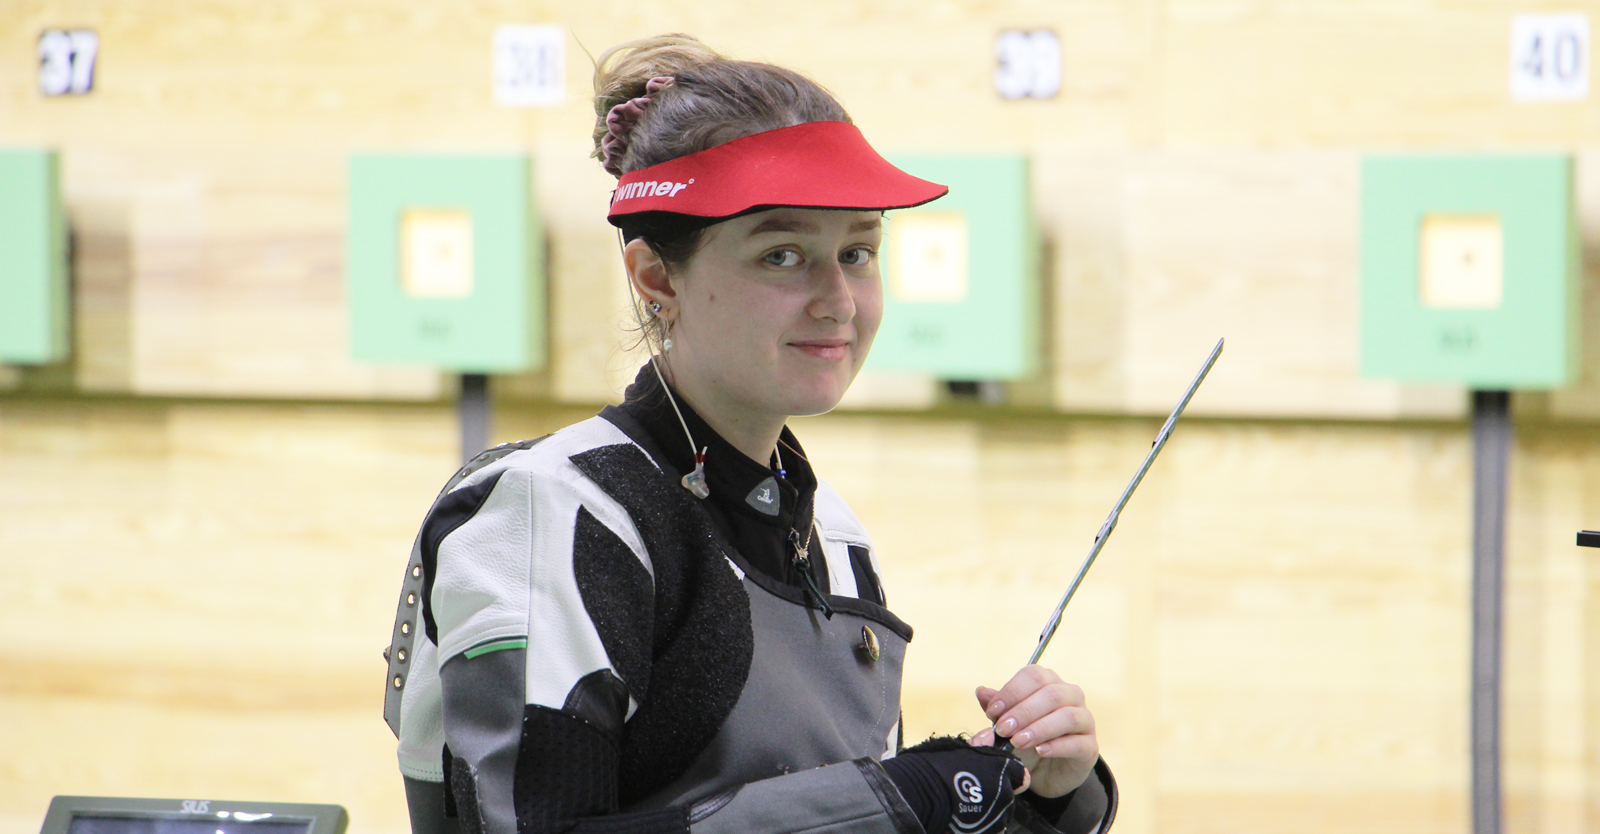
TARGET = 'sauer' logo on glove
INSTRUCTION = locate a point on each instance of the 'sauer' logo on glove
(980, 783)
(968, 788)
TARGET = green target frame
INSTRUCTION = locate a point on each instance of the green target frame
(494, 320)
(34, 295)
(1524, 332)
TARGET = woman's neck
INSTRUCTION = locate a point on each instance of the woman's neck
(754, 435)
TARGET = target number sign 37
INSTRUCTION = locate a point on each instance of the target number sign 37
(66, 61)
(1550, 57)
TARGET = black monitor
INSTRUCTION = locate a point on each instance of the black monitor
(123, 815)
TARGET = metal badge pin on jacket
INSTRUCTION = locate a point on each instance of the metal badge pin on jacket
(869, 644)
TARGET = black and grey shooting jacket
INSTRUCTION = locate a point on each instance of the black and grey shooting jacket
(580, 648)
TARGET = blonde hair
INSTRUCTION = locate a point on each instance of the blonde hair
(713, 99)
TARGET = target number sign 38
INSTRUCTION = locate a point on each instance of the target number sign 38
(530, 66)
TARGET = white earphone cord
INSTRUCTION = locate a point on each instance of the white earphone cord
(655, 365)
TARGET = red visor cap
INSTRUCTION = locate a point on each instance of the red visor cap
(814, 165)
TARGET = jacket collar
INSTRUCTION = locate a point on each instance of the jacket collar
(738, 484)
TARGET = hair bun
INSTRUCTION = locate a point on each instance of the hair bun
(623, 73)
(621, 121)
(710, 100)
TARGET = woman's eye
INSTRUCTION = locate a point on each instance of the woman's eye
(857, 256)
(783, 257)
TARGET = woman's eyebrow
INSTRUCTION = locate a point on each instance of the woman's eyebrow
(781, 224)
(785, 224)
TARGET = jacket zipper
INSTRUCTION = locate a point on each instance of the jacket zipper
(802, 564)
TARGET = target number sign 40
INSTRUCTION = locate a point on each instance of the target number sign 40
(1550, 57)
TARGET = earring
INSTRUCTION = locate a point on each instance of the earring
(666, 338)
(655, 308)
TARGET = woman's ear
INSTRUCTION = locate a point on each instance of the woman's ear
(648, 274)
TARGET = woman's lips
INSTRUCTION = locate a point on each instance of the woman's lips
(829, 349)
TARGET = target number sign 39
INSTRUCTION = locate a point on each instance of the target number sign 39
(66, 61)
(1550, 57)
(1029, 64)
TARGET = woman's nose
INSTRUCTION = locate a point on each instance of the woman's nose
(832, 299)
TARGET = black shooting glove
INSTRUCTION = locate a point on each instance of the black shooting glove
(954, 787)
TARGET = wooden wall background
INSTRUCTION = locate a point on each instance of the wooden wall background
(197, 593)
(202, 515)
(1196, 176)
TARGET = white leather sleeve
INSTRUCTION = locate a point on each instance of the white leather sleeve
(507, 572)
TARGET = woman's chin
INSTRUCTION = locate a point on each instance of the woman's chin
(817, 399)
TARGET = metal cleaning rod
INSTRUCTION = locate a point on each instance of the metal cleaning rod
(1111, 520)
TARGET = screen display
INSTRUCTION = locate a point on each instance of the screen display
(217, 823)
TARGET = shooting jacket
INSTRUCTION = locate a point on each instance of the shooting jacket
(580, 647)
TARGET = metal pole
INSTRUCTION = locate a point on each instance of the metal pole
(1110, 523)
(473, 410)
(1491, 454)
(1111, 520)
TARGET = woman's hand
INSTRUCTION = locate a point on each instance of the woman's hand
(1047, 722)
